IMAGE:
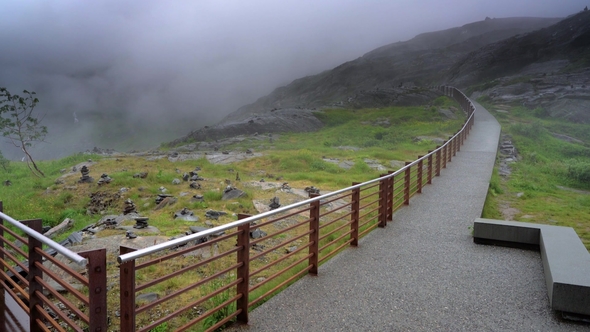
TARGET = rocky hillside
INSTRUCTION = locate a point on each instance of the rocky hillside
(547, 69)
(381, 77)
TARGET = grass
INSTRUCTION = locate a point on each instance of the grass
(547, 183)
(297, 158)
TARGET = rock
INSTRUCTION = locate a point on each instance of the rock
(257, 233)
(274, 203)
(63, 226)
(211, 214)
(141, 175)
(185, 177)
(85, 178)
(130, 235)
(7, 183)
(165, 202)
(197, 198)
(290, 249)
(185, 214)
(285, 186)
(162, 190)
(519, 195)
(104, 179)
(195, 185)
(57, 181)
(74, 238)
(176, 181)
(232, 193)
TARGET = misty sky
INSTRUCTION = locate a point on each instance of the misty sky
(159, 60)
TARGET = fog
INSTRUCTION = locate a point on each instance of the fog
(131, 74)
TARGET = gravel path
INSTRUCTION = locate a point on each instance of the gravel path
(423, 272)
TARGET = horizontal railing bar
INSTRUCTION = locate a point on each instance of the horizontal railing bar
(184, 251)
(172, 243)
(277, 274)
(49, 319)
(49, 242)
(186, 269)
(187, 288)
(335, 230)
(279, 232)
(15, 297)
(11, 269)
(59, 312)
(61, 282)
(335, 240)
(63, 267)
(16, 236)
(336, 198)
(369, 212)
(282, 244)
(369, 229)
(225, 320)
(335, 251)
(274, 289)
(291, 254)
(335, 220)
(272, 221)
(209, 313)
(190, 305)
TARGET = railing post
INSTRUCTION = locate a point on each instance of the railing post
(455, 145)
(382, 202)
(429, 167)
(127, 291)
(34, 273)
(450, 149)
(407, 185)
(355, 202)
(314, 237)
(243, 272)
(444, 154)
(2, 292)
(438, 160)
(390, 188)
(419, 174)
(97, 289)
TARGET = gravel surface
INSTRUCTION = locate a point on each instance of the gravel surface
(423, 272)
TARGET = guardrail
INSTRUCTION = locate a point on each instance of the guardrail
(216, 276)
(32, 281)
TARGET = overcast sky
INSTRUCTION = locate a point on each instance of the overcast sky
(155, 59)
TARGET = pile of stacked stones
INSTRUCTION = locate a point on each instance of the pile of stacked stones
(312, 190)
(104, 179)
(274, 203)
(85, 177)
(141, 222)
(129, 207)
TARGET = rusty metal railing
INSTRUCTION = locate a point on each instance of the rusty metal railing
(205, 285)
(43, 287)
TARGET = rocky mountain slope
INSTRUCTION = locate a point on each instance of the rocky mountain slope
(547, 69)
(381, 77)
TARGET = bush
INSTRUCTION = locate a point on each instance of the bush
(4, 163)
(578, 170)
(531, 130)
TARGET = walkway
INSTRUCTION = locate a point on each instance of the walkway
(423, 272)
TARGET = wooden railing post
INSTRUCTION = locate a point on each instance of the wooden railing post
(382, 202)
(455, 145)
(243, 272)
(419, 174)
(444, 154)
(355, 203)
(35, 288)
(97, 289)
(127, 291)
(314, 237)
(429, 167)
(438, 160)
(407, 184)
(391, 182)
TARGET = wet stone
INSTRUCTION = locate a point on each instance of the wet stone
(257, 233)
(212, 214)
(104, 179)
(130, 235)
(186, 214)
(274, 203)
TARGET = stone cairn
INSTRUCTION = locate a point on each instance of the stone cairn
(195, 185)
(85, 177)
(129, 207)
(104, 179)
(312, 190)
(141, 222)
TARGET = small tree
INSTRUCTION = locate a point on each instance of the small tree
(18, 124)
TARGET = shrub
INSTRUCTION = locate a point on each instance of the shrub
(579, 170)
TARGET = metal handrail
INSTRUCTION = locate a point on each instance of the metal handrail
(183, 240)
(44, 239)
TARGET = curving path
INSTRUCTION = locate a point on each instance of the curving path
(423, 272)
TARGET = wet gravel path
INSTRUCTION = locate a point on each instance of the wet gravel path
(423, 272)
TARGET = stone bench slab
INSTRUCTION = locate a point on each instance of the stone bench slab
(566, 262)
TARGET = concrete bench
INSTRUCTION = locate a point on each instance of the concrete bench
(566, 262)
